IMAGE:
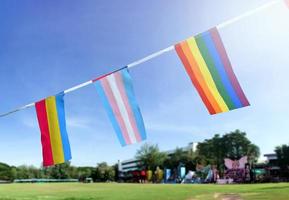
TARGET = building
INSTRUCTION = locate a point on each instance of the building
(272, 167)
(271, 159)
(272, 162)
(132, 164)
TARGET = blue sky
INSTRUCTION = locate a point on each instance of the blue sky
(49, 46)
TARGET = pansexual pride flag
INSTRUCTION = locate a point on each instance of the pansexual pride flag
(206, 62)
(117, 95)
(54, 138)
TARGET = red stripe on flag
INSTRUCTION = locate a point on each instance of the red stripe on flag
(195, 82)
(45, 136)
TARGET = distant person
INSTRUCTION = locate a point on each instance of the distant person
(143, 176)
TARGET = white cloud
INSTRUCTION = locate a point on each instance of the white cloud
(29, 122)
(79, 122)
(168, 127)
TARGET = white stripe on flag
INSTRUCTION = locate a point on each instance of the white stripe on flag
(121, 105)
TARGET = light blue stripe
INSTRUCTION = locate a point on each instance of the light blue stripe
(127, 82)
(62, 126)
(221, 69)
(110, 113)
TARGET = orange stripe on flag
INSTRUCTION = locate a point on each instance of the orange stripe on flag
(196, 69)
(193, 78)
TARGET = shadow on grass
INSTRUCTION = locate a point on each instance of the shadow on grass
(69, 198)
(274, 188)
(72, 198)
(6, 199)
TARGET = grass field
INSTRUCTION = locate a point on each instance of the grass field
(73, 191)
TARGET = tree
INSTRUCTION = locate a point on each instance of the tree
(104, 172)
(190, 159)
(84, 172)
(5, 172)
(27, 172)
(176, 158)
(233, 145)
(58, 171)
(13, 173)
(253, 153)
(282, 153)
(150, 156)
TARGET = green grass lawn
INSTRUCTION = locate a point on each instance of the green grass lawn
(70, 191)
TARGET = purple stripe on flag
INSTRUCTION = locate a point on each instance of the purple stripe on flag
(228, 67)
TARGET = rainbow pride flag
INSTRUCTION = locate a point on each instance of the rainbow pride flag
(117, 95)
(207, 64)
(54, 138)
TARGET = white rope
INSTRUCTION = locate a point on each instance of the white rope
(77, 87)
(248, 14)
(150, 57)
(156, 54)
(18, 109)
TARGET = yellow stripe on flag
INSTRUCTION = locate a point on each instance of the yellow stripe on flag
(54, 130)
(206, 73)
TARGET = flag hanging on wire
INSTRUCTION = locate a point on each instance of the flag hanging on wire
(207, 64)
(117, 95)
(54, 138)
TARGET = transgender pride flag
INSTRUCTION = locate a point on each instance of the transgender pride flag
(117, 95)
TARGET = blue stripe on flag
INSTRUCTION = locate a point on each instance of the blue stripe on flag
(221, 69)
(127, 82)
(62, 126)
(110, 113)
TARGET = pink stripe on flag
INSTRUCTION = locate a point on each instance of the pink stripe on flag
(115, 109)
(120, 86)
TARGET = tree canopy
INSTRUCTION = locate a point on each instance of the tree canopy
(102, 172)
(150, 156)
(282, 153)
(233, 145)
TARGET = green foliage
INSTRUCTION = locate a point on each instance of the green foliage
(232, 145)
(178, 157)
(27, 172)
(150, 156)
(84, 172)
(5, 172)
(104, 172)
(58, 171)
(282, 153)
